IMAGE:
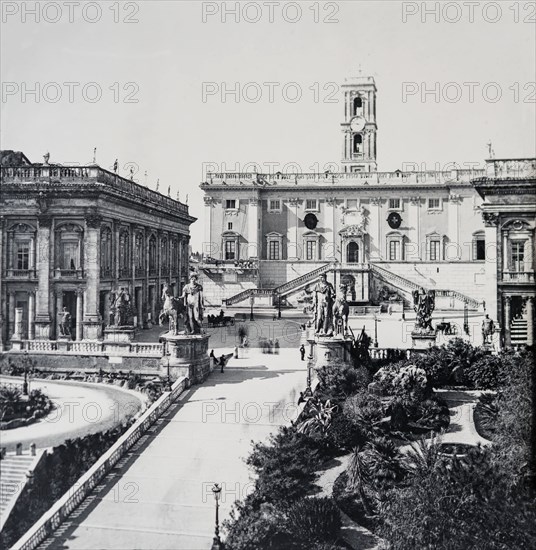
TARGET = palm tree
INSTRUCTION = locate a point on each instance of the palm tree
(385, 461)
(320, 421)
(359, 478)
(424, 455)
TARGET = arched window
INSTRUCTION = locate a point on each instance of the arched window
(479, 245)
(106, 252)
(21, 242)
(164, 253)
(152, 255)
(139, 254)
(124, 253)
(352, 253)
(358, 105)
(69, 238)
(358, 143)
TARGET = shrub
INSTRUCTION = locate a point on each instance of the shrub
(255, 526)
(314, 520)
(338, 383)
(285, 465)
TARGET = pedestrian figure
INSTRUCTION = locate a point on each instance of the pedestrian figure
(276, 346)
(390, 309)
(222, 362)
(302, 352)
(271, 346)
(212, 359)
(301, 399)
(236, 352)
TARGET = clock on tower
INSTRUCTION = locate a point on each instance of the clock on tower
(359, 125)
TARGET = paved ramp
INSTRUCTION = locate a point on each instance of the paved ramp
(159, 497)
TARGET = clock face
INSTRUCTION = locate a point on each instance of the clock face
(310, 221)
(357, 124)
(394, 220)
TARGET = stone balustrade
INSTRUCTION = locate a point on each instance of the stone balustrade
(61, 509)
(92, 176)
(351, 178)
(92, 347)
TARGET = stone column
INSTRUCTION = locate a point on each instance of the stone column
(293, 247)
(331, 252)
(253, 228)
(506, 323)
(44, 250)
(31, 315)
(209, 246)
(16, 339)
(493, 263)
(17, 335)
(91, 325)
(530, 320)
(79, 314)
(59, 306)
(376, 223)
(453, 225)
(11, 313)
(413, 251)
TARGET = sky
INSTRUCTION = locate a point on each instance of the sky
(174, 87)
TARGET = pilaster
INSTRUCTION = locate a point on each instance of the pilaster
(42, 317)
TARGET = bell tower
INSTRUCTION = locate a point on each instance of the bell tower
(359, 125)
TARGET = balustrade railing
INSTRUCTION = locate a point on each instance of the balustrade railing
(21, 273)
(70, 273)
(91, 347)
(61, 509)
(77, 175)
(518, 276)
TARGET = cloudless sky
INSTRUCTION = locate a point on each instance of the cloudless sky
(166, 58)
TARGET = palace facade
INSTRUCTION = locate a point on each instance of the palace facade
(380, 233)
(74, 236)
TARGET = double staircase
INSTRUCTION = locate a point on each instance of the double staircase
(407, 287)
(281, 290)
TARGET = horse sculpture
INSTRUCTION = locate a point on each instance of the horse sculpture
(171, 310)
(341, 310)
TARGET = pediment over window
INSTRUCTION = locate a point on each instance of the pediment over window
(274, 235)
(516, 225)
(352, 231)
(22, 228)
(70, 228)
(230, 234)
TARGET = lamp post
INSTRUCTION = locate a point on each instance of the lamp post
(25, 383)
(375, 331)
(216, 543)
(168, 376)
(279, 306)
(251, 303)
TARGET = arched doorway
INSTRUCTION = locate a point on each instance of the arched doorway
(352, 253)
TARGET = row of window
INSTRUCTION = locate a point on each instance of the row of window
(275, 205)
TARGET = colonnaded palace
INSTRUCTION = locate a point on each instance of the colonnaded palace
(73, 237)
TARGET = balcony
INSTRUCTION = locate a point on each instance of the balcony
(523, 277)
(21, 274)
(69, 273)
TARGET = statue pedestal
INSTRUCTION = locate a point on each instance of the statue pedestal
(423, 340)
(186, 355)
(332, 351)
(119, 334)
(63, 342)
(116, 339)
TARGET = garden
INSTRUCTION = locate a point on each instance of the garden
(17, 409)
(400, 481)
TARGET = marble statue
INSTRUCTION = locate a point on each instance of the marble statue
(192, 295)
(323, 298)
